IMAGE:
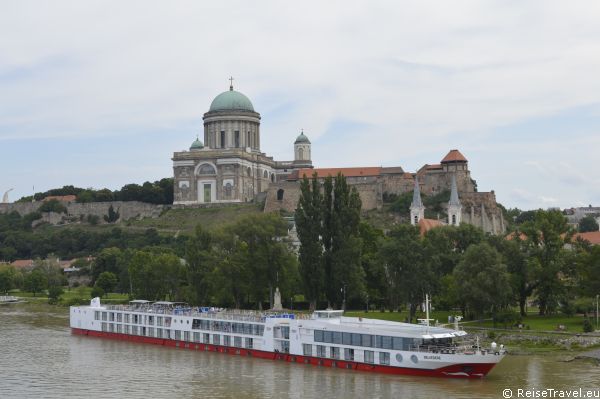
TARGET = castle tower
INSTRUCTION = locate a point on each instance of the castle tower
(302, 151)
(417, 210)
(454, 206)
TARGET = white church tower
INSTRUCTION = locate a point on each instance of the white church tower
(417, 210)
(454, 206)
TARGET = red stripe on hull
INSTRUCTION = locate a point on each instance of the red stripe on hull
(463, 370)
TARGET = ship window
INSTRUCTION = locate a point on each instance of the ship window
(186, 336)
(249, 343)
(397, 343)
(226, 340)
(307, 349)
(366, 340)
(111, 316)
(196, 336)
(328, 336)
(237, 342)
(348, 354)
(178, 335)
(119, 328)
(151, 320)
(126, 329)
(386, 343)
(318, 336)
(96, 315)
(337, 337)
(216, 339)
(206, 338)
(159, 321)
(355, 339)
(104, 316)
(384, 358)
(111, 327)
(369, 357)
(119, 317)
(321, 351)
(150, 332)
(346, 338)
(334, 351)
(134, 330)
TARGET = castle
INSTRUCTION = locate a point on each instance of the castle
(229, 167)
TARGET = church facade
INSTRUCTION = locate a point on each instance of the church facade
(229, 167)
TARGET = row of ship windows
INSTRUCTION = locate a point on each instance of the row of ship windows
(226, 326)
(349, 353)
(367, 340)
(197, 324)
(178, 335)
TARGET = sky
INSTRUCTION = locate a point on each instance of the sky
(101, 93)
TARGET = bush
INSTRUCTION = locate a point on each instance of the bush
(587, 326)
(54, 294)
(93, 219)
(97, 292)
(52, 206)
(75, 301)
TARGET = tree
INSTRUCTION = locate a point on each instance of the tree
(545, 249)
(52, 206)
(34, 282)
(8, 277)
(112, 216)
(308, 219)
(483, 280)
(407, 272)
(107, 281)
(108, 260)
(54, 294)
(588, 223)
(200, 259)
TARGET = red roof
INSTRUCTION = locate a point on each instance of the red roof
(454, 156)
(427, 224)
(348, 172)
(22, 263)
(593, 237)
(435, 166)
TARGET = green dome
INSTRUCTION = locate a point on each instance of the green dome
(302, 139)
(197, 145)
(231, 101)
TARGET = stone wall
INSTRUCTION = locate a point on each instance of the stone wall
(126, 210)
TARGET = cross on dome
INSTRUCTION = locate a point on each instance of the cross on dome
(231, 83)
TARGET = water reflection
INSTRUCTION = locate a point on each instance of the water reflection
(45, 360)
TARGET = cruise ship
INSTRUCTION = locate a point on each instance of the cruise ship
(324, 338)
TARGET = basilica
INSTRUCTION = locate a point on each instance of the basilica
(227, 166)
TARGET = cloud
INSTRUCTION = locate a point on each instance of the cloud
(418, 78)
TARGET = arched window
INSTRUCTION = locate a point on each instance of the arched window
(228, 189)
(416, 219)
(300, 153)
(206, 169)
(280, 194)
(265, 175)
(453, 220)
(273, 177)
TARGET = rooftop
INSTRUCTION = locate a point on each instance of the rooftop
(454, 156)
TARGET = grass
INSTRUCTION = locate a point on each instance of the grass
(79, 294)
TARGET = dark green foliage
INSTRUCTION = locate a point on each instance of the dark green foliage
(8, 279)
(112, 216)
(158, 192)
(35, 282)
(434, 204)
(588, 223)
(107, 281)
(401, 205)
(587, 326)
(52, 206)
(97, 292)
(93, 219)
(483, 280)
(54, 294)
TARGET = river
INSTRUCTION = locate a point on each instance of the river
(39, 358)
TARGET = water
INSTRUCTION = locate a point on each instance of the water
(40, 358)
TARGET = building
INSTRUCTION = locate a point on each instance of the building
(229, 167)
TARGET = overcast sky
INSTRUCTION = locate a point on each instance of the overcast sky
(100, 94)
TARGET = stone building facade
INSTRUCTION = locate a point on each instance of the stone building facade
(229, 166)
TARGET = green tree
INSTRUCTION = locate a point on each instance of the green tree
(545, 249)
(8, 278)
(588, 223)
(201, 262)
(52, 206)
(308, 219)
(112, 216)
(483, 280)
(34, 281)
(54, 294)
(108, 260)
(107, 281)
(407, 271)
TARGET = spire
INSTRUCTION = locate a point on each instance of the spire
(231, 83)
(454, 193)
(416, 202)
